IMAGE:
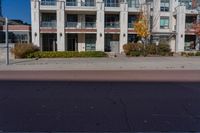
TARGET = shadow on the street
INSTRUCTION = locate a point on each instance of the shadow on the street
(99, 106)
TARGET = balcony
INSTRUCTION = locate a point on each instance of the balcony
(81, 25)
(82, 4)
(49, 24)
(112, 25)
(189, 25)
(130, 25)
(48, 3)
(71, 3)
(112, 4)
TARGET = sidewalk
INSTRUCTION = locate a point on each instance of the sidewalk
(120, 63)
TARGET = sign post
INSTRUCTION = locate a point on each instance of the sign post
(7, 43)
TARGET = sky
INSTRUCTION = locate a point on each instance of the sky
(17, 9)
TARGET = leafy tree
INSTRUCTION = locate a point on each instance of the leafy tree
(142, 27)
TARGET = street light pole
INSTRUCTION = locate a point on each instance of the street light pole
(7, 44)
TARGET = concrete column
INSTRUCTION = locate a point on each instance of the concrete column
(156, 16)
(81, 42)
(35, 13)
(100, 26)
(123, 25)
(180, 28)
(79, 2)
(61, 25)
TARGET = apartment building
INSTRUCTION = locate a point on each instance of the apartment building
(106, 25)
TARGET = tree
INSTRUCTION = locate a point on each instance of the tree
(141, 27)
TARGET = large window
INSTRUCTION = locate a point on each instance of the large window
(164, 22)
(164, 5)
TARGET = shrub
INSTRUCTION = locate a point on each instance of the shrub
(66, 54)
(127, 48)
(197, 54)
(133, 47)
(22, 50)
(191, 54)
(163, 49)
(135, 53)
(183, 54)
(151, 49)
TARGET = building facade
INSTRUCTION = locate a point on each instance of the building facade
(18, 31)
(106, 25)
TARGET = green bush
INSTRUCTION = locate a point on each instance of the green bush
(66, 54)
(22, 50)
(132, 49)
(151, 49)
(191, 54)
(163, 50)
(183, 54)
(197, 54)
(128, 48)
(135, 53)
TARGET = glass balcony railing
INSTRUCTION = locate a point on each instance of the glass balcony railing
(83, 4)
(52, 24)
(189, 25)
(81, 25)
(72, 24)
(130, 25)
(48, 3)
(112, 4)
(87, 4)
(71, 4)
(112, 25)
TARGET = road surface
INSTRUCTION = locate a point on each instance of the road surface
(99, 101)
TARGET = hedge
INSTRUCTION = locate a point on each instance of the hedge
(136, 49)
(66, 54)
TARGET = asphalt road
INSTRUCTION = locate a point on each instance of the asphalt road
(99, 101)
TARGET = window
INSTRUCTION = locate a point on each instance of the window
(164, 22)
(164, 5)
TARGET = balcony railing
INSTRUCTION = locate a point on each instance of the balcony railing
(52, 24)
(189, 25)
(87, 3)
(130, 25)
(48, 3)
(81, 25)
(71, 4)
(112, 25)
(83, 4)
(112, 4)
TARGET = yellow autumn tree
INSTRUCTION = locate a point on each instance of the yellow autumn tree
(141, 26)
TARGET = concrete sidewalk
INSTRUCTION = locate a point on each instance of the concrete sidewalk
(120, 63)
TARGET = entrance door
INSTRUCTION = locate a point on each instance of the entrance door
(112, 43)
(72, 42)
(49, 42)
(90, 42)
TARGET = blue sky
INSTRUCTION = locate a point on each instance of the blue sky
(17, 9)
